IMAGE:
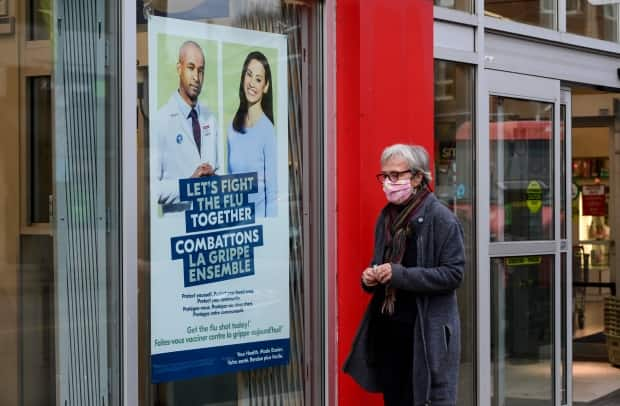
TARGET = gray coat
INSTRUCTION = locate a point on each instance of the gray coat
(436, 342)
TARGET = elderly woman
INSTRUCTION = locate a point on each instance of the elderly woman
(408, 343)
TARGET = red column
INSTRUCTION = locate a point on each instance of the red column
(384, 85)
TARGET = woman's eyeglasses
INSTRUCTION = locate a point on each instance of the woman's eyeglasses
(392, 176)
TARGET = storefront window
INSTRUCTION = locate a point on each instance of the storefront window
(464, 5)
(40, 20)
(455, 186)
(228, 108)
(542, 13)
(595, 19)
(39, 148)
(521, 174)
(563, 196)
(592, 19)
(564, 289)
(522, 326)
(59, 253)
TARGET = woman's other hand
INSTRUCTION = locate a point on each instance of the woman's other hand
(369, 277)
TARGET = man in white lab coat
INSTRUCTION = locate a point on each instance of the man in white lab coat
(185, 132)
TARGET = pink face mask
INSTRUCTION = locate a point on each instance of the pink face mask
(397, 192)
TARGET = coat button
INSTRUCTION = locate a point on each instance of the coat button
(420, 220)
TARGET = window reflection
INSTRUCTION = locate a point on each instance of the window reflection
(521, 169)
(563, 329)
(522, 330)
(596, 21)
(464, 5)
(563, 200)
(541, 13)
(39, 148)
(37, 320)
(455, 187)
(40, 16)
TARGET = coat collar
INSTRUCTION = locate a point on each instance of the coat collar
(422, 211)
(420, 216)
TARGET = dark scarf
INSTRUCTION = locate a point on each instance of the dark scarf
(397, 228)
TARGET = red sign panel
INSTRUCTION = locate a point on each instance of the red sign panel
(593, 200)
(384, 96)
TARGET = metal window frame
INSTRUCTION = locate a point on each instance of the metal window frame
(129, 224)
(565, 99)
(483, 287)
(330, 204)
(557, 296)
(315, 225)
(563, 38)
(471, 59)
(561, 14)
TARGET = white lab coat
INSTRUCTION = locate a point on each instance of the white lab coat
(176, 155)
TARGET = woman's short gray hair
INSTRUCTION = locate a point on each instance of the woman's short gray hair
(415, 155)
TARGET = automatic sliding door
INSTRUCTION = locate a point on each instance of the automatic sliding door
(526, 243)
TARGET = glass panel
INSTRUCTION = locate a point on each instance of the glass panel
(40, 20)
(464, 5)
(521, 169)
(59, 285)
(563, 328)
(37, 349)
(522, 330)
(298, 22)
(39, 148)
(563, 191)
(455, 186)
(596, 21)
(541, 13)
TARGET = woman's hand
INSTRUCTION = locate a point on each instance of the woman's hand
(369, 276)
(383, 273)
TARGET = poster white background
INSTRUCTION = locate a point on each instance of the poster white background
(270, 282)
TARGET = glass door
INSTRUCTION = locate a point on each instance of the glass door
(527, 242)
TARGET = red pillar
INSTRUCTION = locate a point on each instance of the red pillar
(384, 85)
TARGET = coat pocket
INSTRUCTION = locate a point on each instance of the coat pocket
(447, 334)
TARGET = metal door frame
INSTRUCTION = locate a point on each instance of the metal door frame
(565, 100)
(545, 90)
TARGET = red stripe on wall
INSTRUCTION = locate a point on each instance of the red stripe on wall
(384, 82)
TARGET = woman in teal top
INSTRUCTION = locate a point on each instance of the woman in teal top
(251, 135)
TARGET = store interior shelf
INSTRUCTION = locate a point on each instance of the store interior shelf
(601, 267)
(595, 242)
(590, 178)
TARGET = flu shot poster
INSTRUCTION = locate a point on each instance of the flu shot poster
(219, 227)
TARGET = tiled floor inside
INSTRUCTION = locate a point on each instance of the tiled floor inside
(595, 381)
(591, 381)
